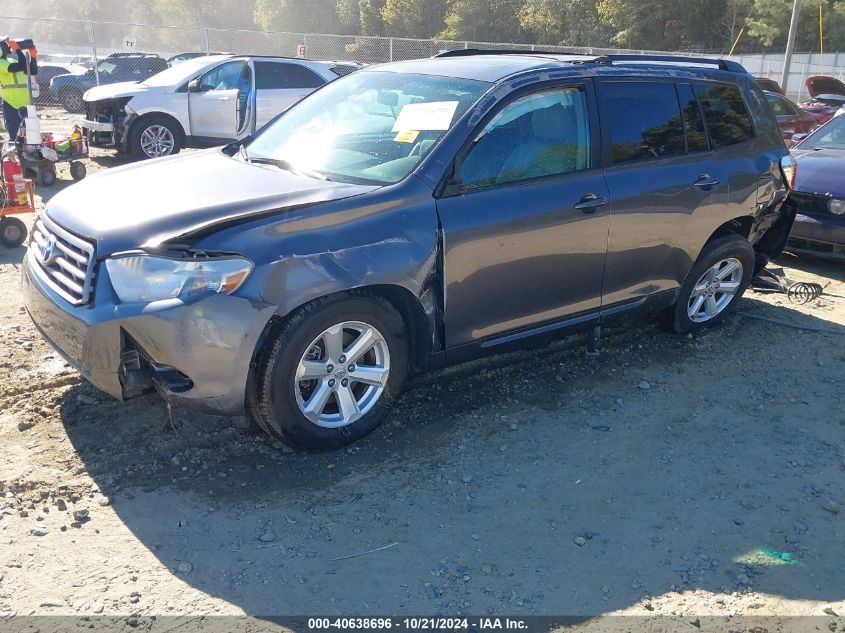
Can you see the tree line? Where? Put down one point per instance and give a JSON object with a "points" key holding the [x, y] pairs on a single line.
{"points": [[677, 25]]}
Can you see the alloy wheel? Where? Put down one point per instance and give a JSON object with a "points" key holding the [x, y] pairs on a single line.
{"points": [[342, 374], [157, 140], [714, 290]]}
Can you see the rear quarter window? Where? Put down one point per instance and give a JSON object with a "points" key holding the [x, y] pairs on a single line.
{"points": [[728, 120]]}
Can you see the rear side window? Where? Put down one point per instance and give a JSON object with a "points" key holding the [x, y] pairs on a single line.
{"points": [[283, 76], [645, 121], [728, 121]]}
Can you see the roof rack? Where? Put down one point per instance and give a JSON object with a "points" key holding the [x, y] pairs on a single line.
{"points": [[621, 58], [723, 64], [466, 52]]}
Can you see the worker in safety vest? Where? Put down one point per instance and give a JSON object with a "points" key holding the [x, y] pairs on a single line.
{"points": [[14, 89]]}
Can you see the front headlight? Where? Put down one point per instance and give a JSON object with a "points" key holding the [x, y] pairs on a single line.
{"points": [[144, 278], [836, 206]]}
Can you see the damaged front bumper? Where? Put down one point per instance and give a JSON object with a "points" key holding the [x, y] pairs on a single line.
{"points": [[196, 355], [107, 123]]}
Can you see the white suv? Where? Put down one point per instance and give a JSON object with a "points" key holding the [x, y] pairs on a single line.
{"points": [[202, 102]]}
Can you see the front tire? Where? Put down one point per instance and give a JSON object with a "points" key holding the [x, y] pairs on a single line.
{"points": [[153, 137], [714, 285], [329, 375]]}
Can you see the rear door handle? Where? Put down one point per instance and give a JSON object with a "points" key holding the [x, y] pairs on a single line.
{"points": [[704, 180], [590, 202]]}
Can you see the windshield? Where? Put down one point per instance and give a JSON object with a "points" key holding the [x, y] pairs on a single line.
{"points": [[183, 71], [829, 136], [367, 127]]}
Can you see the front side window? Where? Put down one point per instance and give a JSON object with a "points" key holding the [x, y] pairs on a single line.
{"points": [[227, 76], [368, 127], [542, 134], [644, 120], [728, 121]]}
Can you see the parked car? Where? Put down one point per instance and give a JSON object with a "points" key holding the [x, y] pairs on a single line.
{"points": [[769, 85], [118, 67], [46, 73], [819, 195], [201, 102], [409, 215], [791, 119], [183, 57], [828, 96]]}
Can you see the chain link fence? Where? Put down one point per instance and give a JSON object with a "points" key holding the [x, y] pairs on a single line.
{"points": [[108, 52]]}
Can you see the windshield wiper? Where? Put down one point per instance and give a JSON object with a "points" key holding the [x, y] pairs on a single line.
{"points": [[288, 166], [243, 154]]}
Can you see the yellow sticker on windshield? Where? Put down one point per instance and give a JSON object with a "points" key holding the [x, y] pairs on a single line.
{"points": [[408, 136]]}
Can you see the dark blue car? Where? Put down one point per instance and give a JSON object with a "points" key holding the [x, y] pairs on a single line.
{"points": [[407, 216], [819, 192], [118, 67]]}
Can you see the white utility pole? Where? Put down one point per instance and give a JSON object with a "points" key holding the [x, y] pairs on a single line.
{"points": [[790, 45]]}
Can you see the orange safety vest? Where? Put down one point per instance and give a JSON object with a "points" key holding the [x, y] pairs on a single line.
{"points": [[14, 86]]}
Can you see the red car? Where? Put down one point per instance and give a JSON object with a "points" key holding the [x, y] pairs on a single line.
{"points": [[791, 118], [828, 95]]}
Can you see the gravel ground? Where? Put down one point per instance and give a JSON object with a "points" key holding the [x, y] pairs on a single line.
{"points": [[677, 476]]}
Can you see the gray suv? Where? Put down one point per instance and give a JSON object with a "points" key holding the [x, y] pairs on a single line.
{"points": [[411, 215]]}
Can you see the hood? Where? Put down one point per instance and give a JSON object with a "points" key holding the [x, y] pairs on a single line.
{"points": [[145, 204], [823, 85], [820, 171], [122, 89]]}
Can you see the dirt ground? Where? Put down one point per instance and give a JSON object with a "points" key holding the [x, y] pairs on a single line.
{"points": [[676, 476]]}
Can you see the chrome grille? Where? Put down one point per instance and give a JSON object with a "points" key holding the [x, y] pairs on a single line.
{"points": [[65, 261]]}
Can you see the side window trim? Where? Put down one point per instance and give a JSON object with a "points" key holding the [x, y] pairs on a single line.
{"points": [[700, 116], [449, 187]]}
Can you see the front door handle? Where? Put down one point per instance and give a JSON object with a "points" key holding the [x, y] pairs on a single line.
{"points": [[704, 180], [590, 202]]}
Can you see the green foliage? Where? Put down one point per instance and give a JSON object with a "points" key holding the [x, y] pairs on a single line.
{"points": [[700, 25]]}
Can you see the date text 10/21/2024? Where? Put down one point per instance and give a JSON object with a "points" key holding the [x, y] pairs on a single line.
{"points": [[419, 624]]}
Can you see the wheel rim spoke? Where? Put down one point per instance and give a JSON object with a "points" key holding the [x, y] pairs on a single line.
{"points": [[363, 344], [333, 340], [376, 376], [311, 370], [317, 402], [729, 287], [696, 306], [726, 270], [348, 404]]}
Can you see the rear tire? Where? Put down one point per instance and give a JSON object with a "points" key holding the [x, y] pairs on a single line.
{"points": [[280, 395], [714, 285], [72, 101], [12, 232]]}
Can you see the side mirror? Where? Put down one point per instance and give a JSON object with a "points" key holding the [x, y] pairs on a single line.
{"points": [[194, 85], [797, 138]]}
